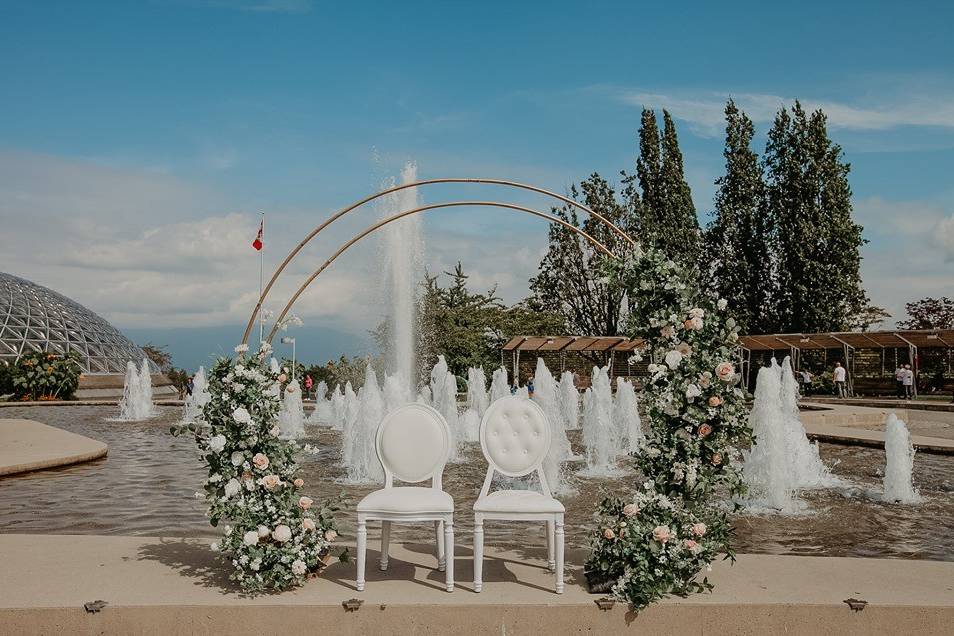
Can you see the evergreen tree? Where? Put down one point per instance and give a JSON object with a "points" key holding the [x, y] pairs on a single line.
{"points": [[667, 216], [816, 241], [739, 236]]}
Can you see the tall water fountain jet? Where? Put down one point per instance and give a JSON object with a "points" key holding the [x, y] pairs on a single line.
{"points": [[546, 395], [569, 401], [899, 463], [476, 404], [600, 435], [349, 412], [136, 403], [359, 438], [196, 401], [323, 414], [626, 416], [499, 386], [291, 417], [402, 272], [396, 392], [806, 464], [477, 398], [444, 396], [767, 469], [337, 408]]}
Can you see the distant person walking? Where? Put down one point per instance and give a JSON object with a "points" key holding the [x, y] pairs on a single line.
{"points": [[839, 376], [308, 384], [806, 382], [899, 381], [530, 387], [908, 382]]}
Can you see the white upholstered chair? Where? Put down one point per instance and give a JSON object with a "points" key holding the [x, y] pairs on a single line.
{"points": [[412, 443], [515, 438]]}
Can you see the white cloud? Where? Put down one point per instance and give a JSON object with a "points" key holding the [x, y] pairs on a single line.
{"points": [[911, 253], [704, 110]]}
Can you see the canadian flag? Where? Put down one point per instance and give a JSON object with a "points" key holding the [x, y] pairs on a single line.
{"points": [[258, 243]]}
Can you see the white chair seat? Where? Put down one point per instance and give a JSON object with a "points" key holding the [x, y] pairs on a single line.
{"points": [[408, 500], [517, 501]]}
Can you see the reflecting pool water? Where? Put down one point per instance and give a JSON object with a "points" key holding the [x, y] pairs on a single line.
{"points": [[146, 486]]}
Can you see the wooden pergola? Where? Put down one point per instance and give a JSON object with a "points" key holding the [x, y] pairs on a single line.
{"points": [[794, 343], [607, 345], [847, 342]]}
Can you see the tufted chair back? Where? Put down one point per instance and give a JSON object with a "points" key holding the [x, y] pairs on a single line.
{"points": [[515, 438], [412, 443]]}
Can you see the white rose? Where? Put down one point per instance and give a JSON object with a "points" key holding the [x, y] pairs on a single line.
{"points": [[263, 531], [217, 443], [722, 304], [250, 537], [673, 358], [237, 458], [281, 533], [242, 348], [232, 487], [215, 478], [298, 567], [693, 391], [241, 415], [255, 565]]}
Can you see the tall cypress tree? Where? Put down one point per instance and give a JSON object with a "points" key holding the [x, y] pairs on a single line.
{"points": [[666, 213], [739, 236], [817, 243]]}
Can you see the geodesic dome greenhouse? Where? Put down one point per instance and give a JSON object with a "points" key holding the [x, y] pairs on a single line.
{"points": [[36, 318]]}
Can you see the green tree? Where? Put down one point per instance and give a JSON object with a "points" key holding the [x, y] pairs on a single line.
{"points": [[740, 234], [816, 241], [667, 215], [870, 316], [568, 282], [929, 313], [159, 355]]}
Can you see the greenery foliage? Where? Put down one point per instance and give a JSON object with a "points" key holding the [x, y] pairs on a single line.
{"points": [[659, 541], [929, 313], [274, 535], [46, 376]]}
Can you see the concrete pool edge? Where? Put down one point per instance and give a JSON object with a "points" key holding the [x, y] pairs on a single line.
{"points": [[174, 586], [839, 424], [27, 445]]}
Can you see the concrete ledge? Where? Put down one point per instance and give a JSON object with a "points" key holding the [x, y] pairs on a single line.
{"points": [[89, 402], [26, 445], [175, 586], [841, 424]]}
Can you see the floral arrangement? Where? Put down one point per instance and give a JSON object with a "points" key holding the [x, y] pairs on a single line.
{"points": [[274, 534], [46, 376], [659, 541]]}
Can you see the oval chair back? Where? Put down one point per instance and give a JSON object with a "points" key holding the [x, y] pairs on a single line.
{"points": [[412, 443], [515, 439]]}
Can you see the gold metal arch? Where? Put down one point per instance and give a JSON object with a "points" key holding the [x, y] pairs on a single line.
{"points": [[340, 213], [424, 208]]}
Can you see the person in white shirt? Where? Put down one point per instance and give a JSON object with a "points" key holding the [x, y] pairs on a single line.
{"points": [[908, 381], [839, 375], [899, 381]]}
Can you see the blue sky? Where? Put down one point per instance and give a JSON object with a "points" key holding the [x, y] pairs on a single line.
{"points": [[139, 139]]}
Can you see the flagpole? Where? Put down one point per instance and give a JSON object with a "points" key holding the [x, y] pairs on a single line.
{"points": [[261, 285]]}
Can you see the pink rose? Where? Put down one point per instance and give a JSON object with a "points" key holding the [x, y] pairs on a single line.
{"points": [[661, 533], [305, 502], [696, 323], [684, 348], [308, 524], [687, 324], [271, 481], [689, 544], [704, 430], [630, 510], [609, 534], [716, 459], [725, 371], [290, 388], [260, 461], [282, 533], [330, 535], [715, 401], [299, 482], [704, 381], [699, 529], [282, 377], [668, 331]]}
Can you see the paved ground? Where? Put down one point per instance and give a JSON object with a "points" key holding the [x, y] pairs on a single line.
{"points": [[174, 586], [27, 445], [932, 432]]}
